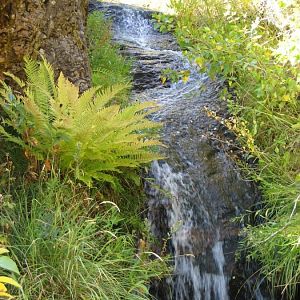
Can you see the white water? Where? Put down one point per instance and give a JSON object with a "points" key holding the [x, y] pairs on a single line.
{"points": [[133, 27], [176, 187], [190, 279]]}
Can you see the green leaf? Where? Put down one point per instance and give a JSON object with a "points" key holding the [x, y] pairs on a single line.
{"points": [[8, 264]]}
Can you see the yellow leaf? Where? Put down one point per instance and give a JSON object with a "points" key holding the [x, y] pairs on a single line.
{"points": [[3, 294], [199, 61], [2, 287], [3, 250], [185, 79], [5, 279], [296, 126], [286, 98]]}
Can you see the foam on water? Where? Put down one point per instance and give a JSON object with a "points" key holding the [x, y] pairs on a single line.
{"points": [[190, 281], [132, 26]]}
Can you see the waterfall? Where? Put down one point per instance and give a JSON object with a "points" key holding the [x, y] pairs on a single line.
{"points": [[190, 281], [196, 190]]}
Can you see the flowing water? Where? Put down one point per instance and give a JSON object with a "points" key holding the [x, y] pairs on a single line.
{"points": [[196, 191]]}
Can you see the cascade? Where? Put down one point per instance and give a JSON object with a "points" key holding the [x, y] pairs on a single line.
{"points": [[196, 190]]}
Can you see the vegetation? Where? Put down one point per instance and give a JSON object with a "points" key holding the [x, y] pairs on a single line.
{"points": [[58, 128], [7, 267], [72, 235], [163, 23], [108, 66], [255, 48], [71, 247]]}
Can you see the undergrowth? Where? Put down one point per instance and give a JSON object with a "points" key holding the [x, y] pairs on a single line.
{"points": [[82, 134], [109, 67], [70, 246], [254, 46]]}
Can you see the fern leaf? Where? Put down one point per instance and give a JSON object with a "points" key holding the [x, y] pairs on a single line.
{"points": [[48, 72], [67, 94], [31, 70], [38, 83], [85, 100], [20, 82], [33, 109], [97, 140], [106, 95], [62, 106], [9, 137]]}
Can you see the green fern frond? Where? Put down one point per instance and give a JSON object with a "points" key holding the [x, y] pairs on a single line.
{"points": [[20, 82], [62, 106], [9, 137], [139, 107], [31, 70], [85, 101], [39, 84], [87, 134], [32, 108], [48, 72], [107, 95]]}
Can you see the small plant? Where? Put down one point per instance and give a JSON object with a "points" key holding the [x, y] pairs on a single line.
{"points": [[58, 128], [174, 75], [164, 23]]}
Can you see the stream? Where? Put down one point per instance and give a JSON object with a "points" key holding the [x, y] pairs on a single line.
{"points": [[197, 190]]}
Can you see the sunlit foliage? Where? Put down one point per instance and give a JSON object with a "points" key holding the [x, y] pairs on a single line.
{"points": [[255, 47]]}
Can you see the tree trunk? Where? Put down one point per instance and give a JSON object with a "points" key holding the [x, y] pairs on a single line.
{"points": [[51, 28]]}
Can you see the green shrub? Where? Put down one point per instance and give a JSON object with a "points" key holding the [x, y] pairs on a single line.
{"points": [[69, 247], [236, 40], [61, 129]]}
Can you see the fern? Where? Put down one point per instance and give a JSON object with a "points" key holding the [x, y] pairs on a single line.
{"points": [[82, 133]]}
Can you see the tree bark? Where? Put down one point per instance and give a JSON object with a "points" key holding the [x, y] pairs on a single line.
{"points": [[54, 29]]}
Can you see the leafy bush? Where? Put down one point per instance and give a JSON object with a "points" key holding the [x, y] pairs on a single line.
{"points": [[59, 128], [240, 41], [174, 75], [70, 247]]}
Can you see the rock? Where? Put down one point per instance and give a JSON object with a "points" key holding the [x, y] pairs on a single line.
{"points": [[55, 27]]}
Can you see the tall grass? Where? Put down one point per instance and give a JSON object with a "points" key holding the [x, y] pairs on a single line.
{"points": [[243, 41], [69, 247]]}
